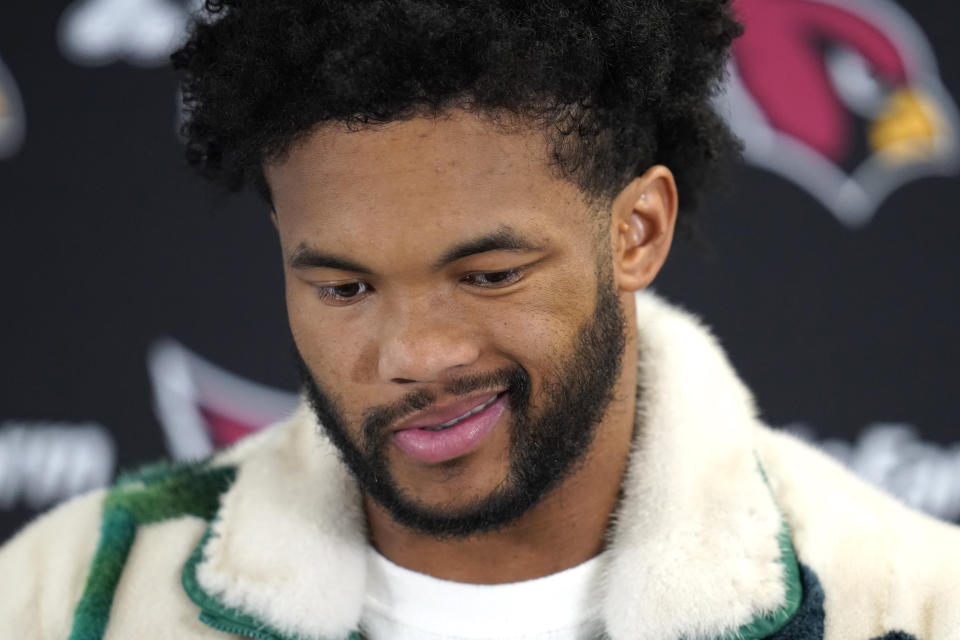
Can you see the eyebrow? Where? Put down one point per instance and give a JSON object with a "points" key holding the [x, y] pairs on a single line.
{"points": [[304, 257], [503, 238]]}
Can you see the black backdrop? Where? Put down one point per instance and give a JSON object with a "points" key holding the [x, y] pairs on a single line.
{"points": [[143, 312]]}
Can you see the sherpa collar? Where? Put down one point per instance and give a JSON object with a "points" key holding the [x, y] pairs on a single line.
{"points": [[697, 549]]}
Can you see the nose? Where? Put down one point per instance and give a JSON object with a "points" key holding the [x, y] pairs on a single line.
{"points": [[424, 347]]}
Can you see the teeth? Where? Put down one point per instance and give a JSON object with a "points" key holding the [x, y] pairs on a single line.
{"points": [[475, 410]]}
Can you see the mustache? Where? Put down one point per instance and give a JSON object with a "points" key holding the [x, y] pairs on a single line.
{"points": [[376, 420]]}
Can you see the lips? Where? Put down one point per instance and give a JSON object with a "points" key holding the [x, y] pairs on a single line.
{"points": [[472, 412], [437, 416], [449, 432]]}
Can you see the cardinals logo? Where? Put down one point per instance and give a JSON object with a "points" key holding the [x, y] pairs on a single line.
{"points": [[203, 407], [12, 119], [843, 98]]}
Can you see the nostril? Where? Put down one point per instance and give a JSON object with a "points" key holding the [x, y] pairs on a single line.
{"points": [[402, 380]]}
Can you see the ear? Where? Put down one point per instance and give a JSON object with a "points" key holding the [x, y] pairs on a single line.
{"points": [[643, 218]]}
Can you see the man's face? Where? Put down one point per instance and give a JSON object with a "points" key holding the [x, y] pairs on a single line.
{"points": [[454, 312]]}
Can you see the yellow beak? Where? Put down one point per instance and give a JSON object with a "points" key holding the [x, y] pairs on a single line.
{"points": [[908, 128]]}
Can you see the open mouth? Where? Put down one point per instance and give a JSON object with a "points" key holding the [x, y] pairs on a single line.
{"points": [[477, 409], [454, 438]]}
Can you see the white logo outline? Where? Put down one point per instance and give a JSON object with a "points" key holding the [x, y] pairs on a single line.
{"points": [[852, 198]]}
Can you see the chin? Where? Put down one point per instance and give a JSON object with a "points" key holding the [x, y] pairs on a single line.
{"points": [[455, 485]]}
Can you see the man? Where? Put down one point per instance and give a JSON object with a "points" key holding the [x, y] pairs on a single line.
{"points": [[500, 437]]}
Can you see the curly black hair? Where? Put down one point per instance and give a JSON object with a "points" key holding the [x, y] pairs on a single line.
{"points": [[617, 85]]}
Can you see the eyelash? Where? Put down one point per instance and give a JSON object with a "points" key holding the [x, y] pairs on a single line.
{"points": [[512, 275], [330, 295]]}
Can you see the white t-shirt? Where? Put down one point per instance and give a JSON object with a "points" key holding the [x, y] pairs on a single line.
{"points": [[402, 604]]}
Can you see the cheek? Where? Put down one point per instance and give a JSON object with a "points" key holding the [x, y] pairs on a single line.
{"points": [[302, 322], [339, 352], [525, 334], [317, 339], [540, 332]]}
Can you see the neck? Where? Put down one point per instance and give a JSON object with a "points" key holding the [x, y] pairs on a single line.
{"points": [[566, 528]]}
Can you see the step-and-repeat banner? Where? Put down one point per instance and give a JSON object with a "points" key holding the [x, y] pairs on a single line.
{"points": [[142, 313]]}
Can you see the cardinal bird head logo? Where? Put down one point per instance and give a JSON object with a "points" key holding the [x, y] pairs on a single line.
{"points": [[843, 98], [12, 120], [203, 407]]}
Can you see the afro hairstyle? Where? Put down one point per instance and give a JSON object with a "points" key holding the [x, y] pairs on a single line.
{"points": [[616, 85]]}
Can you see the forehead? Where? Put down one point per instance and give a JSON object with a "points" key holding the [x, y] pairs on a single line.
{"points": [[452, 169]]}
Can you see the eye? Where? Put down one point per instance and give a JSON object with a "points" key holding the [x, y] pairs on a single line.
{"points": [[343, 294], [855, 82], [493, 279]]}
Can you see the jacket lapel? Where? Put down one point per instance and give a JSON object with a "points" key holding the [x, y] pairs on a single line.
{"points": [[698, 548]]}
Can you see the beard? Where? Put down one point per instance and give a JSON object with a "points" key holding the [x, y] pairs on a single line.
{"points": [[545, 447]]}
